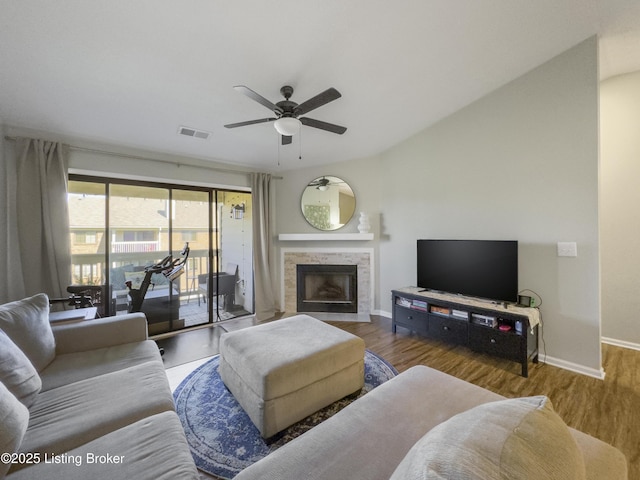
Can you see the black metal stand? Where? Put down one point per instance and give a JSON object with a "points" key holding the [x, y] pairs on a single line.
{"points": [[171, 269]]}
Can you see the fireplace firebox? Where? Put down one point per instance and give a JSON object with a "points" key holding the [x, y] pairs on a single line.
{"points": [[327, 288]]}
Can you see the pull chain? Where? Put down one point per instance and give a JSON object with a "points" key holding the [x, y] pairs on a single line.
{"points": [[278, 142]]}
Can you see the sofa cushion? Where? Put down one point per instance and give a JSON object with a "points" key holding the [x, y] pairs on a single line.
{"points": [[73, 367], [71, 415], [17, 373], [517, 439], [153, 448], [14, 418], [26, 322], [100, 333]]}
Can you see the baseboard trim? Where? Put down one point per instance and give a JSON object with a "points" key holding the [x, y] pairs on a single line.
{"points": [[621, 343], [573, 367], [382, 313]]}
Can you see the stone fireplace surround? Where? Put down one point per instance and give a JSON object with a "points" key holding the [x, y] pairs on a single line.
{"points": [[362, 257]]}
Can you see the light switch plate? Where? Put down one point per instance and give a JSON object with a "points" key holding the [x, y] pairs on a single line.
{"points": [[567, 249]]}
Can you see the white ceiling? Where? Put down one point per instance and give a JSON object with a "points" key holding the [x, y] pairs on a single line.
{"points": [[129, 73]]}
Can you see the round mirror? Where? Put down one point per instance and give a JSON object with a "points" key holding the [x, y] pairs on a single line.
{"points": [[328, 203]]}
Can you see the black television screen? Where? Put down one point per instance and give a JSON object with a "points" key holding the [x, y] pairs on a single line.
{"points": [[477, 268]]}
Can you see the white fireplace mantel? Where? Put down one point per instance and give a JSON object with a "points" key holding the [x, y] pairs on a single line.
{"points": [[292, 237]]}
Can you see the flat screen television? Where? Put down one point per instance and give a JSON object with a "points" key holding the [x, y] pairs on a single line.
{"points": [[477, 268]]}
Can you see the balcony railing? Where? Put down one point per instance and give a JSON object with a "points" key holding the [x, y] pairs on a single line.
{"points": [[89, 268], [135, 247]]}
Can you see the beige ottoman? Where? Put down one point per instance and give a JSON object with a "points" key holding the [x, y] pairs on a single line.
{"points": [[283, 371]]}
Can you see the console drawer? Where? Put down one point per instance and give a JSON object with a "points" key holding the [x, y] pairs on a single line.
{"points": [[494, 342], [448, 329], [411, 319]]}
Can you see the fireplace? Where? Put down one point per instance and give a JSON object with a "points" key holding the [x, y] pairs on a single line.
{"points": [[327, 288], [361, 258]]}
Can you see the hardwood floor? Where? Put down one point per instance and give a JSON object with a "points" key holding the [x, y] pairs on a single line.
{"points": [[607, 409], [198, 343]]}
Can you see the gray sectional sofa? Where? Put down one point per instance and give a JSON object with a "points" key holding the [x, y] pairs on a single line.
{"points": [[85, 400]]}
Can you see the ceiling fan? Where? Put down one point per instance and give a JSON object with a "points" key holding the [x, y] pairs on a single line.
{"points": [[323, 183], [286, 112]]}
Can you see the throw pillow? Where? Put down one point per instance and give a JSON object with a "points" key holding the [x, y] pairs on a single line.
{"points": [[518, 439], [14, 418], [26, 323], [17, 373]]}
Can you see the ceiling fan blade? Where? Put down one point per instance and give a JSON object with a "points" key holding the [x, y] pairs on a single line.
{"points": [[286, 139], [258, 98], [329, 127], [250, 122], [323, 98]]}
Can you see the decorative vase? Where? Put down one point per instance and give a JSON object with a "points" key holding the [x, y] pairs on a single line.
{"points": [[364, 226]]}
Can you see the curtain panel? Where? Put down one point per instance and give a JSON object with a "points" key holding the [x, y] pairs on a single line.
{"points": [[43, 217], [263, 250], [11, 282]]}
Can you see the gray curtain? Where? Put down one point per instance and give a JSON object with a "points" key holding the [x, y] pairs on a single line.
{"points": [[263, 254], [11, 283], [43, 218]]}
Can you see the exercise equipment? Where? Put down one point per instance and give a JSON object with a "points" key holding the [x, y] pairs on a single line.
{"points": [[84, 296], [169, 267]]}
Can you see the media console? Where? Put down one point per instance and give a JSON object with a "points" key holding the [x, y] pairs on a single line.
{"points": [[506, 331]]}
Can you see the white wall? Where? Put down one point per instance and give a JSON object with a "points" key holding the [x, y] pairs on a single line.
{"points": [[184, 171], [520, 163], [364, 177], [620, 214], [130, 163]]}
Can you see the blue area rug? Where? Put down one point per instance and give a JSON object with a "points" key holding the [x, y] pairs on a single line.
{"points": [[222, 438]]}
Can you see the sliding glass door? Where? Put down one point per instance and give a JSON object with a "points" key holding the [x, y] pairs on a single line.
{"points": [[139, 224], [230, 284], [191, 226], [87, 218], [119, 229]]}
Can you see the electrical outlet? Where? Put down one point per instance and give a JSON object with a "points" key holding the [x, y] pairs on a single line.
{"points": [[567, 249]]}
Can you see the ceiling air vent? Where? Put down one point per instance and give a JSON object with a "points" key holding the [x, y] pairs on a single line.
{"points": [[192, 132]]}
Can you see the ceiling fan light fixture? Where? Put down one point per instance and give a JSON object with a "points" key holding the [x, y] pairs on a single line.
{"points": [[323, 188], [287, 126]]}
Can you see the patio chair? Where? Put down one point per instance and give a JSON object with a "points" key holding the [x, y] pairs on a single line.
{"points": [[222, 284]]}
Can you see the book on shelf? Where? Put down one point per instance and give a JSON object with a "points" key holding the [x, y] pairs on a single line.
{"points": [[440, 310], [419, 305], [459, 314]]}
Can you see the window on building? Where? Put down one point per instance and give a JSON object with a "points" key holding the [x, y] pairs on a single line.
{"points": [[86, 238]]}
